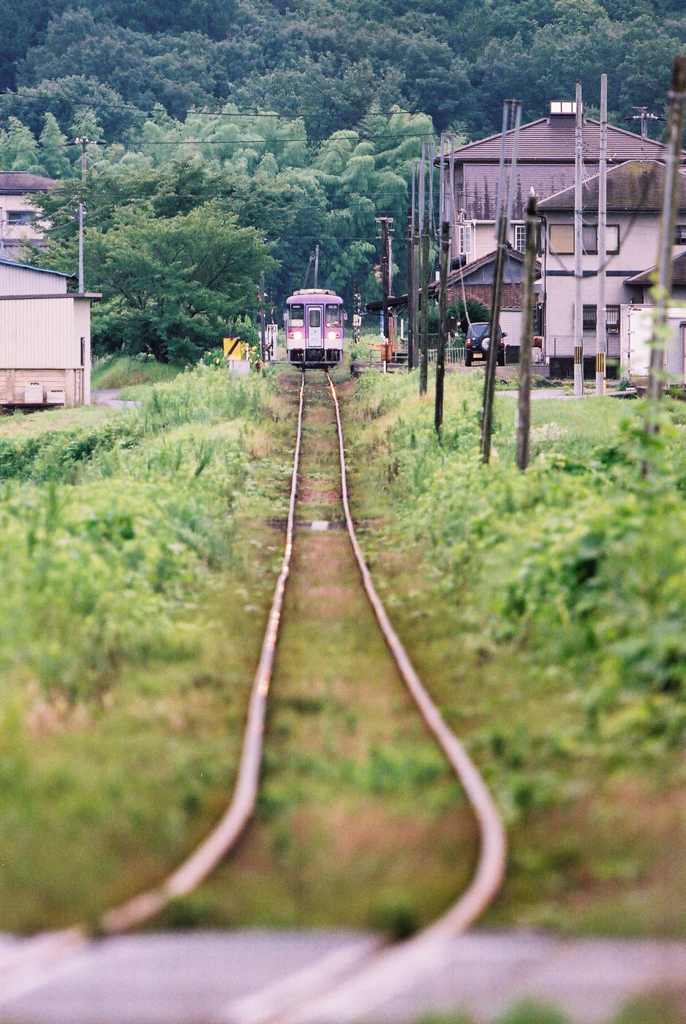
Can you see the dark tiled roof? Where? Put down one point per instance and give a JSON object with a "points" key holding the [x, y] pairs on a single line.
{"points": [[16, 182], [636, 185], [551, 139], [471, 268], [678, 274]]}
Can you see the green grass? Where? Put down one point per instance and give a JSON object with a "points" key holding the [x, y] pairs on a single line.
{"points": [[125, 372], [546, 611], [131, 626]]}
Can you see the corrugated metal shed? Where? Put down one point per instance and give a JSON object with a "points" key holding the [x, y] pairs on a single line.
{"points": [[38, 334], [22, 279]]}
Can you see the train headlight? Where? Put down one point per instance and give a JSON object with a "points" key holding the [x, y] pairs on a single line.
{"points": [[298, 335], [332, 335]]}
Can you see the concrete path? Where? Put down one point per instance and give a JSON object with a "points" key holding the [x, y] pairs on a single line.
{"points": [[209, 977], [109, 396]]}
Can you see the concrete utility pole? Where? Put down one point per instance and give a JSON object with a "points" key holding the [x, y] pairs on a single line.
{"points": [[316, 265], [424, 326], [524, 406], [578, 250], [601, 317], [410, 281], [503, 207], [84, 167], [442, 316], [415, 279], [675, 132], [385, 236], [263, 328]]}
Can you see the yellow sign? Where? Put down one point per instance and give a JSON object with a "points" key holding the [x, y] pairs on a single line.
{"points": [[233, 348]]}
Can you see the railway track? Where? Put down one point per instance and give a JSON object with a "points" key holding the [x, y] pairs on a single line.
{"points": [[338, 989]]}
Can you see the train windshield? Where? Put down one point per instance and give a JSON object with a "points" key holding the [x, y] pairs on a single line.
{"points": [[296, 314], [333, 314]]}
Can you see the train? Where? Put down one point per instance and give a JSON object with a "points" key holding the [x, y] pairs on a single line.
{"points": [[315, 328]]}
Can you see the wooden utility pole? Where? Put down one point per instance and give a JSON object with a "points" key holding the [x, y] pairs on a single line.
{"points": [[524, 406], [675, 131], [601, 315], [578, 250], [442, 316]]}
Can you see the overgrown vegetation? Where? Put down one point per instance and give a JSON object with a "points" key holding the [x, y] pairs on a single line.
{"points": [[122, 675], [554, 633]]}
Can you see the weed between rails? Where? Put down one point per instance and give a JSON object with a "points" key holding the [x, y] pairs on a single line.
{"points": [[547, 610]]}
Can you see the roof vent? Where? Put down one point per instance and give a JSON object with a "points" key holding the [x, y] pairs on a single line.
{"points": [[557, 108]]}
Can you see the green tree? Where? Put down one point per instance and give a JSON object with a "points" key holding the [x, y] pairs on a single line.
{"points": [[170, 286], [53, 149], [19, 149]]}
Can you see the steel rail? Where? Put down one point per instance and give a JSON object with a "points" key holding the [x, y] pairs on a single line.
{"points": [[38, 957], [400, 967], [206, 856]]}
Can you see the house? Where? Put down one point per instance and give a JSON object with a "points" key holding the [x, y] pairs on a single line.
{"points": [[545, 163], [475, 281], [45, 342], [634, 202], [18, 225]]}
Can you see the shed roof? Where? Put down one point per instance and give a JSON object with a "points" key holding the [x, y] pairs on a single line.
{"points": [[551, 140], [645, 278], [39, 270], [18, 182], [635, 185]]}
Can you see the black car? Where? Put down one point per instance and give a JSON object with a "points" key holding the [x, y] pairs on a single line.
{"points": [[477, 344]]}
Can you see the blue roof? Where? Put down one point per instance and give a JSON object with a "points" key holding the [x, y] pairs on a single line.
{"points": [[39, 270]]}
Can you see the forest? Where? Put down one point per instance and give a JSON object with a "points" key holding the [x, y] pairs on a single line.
{"points": [[296, 120]]}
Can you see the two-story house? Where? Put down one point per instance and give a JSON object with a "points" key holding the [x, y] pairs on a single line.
{"points": [[546, 163], [634, 201], [18, 223]]}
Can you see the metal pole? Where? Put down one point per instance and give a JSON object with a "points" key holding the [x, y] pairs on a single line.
{"points": [[578, 251], [601, 317], [441, 184], [442, 306], [316, 265], [524, 406], [675, 131]]}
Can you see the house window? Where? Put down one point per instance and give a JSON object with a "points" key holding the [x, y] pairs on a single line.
{"points": [[562, 239], [612, 319], [464, 238], [590, 318], [20, 216], [589, 239], [680, 234], [520, 237]]}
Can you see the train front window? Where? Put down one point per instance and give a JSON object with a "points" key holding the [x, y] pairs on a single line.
{"points": [[315, 316], [333, 315], [296, 315]]}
